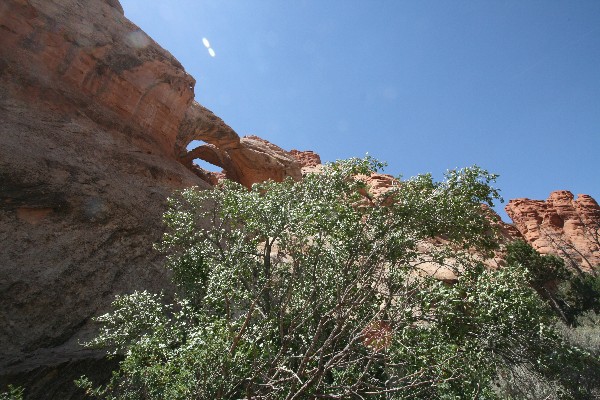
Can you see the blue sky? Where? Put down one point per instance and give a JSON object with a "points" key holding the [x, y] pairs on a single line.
{"points": [[512, 86]]}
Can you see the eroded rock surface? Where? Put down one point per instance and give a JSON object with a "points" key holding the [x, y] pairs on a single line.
{"points": [[95, 118], [306, 158], [90, 110], [246, 160], [561, 225]]}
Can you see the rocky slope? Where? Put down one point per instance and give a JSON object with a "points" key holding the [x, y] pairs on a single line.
{"points": [[95, 121]]}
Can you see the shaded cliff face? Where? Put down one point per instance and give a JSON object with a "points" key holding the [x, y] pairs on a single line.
{"points": [[561, 225], [90, 109], [95, 118]]}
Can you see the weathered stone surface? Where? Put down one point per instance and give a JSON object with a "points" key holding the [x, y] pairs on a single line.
{"points": [[86, 58], [561, 225], [94, 121], [246, 160], [378, 184], [90, 109], [307, 158], [259, 160]]}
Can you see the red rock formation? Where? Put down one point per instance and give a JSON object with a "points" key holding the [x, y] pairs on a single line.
{"points": [[306, 158], [246, 160], [561, 225], [378, 184], [95, 118], [86, 58]]}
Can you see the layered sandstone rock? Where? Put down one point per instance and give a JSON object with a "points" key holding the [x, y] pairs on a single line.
{"points": [[246, 160], [306, 158], [95, 118], [561, 225], [90, 110]]}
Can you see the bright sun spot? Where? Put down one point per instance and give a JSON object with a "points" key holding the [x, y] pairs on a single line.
{"points": [[211, 52]]}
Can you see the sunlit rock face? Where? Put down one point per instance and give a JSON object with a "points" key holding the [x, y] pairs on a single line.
{"points": [[246, 160], [306, 158], [95, 118], [561, 225]]}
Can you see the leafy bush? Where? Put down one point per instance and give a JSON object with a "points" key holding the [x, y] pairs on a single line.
{"points": [[546, 273], [542, 268], [586, 333], [302, 290], [570, 292], [581, 368], [580, 294], [13, 393], [575, 297]]}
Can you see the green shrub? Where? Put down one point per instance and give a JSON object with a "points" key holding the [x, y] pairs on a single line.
{"points": [[13, 393], [586, 332], [582, 370], [299, 290], [569, 292], [542, 268], [580, 294]]}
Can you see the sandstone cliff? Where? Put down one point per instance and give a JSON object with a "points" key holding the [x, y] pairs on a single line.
{"points": [[561, 225], [95, 118]]}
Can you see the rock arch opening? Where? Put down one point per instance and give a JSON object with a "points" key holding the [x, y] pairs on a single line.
{"points": [[245, 160], [205, 160], [200, 162]]}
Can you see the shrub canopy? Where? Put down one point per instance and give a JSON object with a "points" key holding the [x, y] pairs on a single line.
{"points": [[300, 290]]}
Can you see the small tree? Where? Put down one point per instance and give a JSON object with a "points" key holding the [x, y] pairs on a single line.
{"points": [[569, 292], [546, 272], [301, 290]]}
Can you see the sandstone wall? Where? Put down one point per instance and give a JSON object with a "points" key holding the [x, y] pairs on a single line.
{"points": [[561, 225], [95, 118]]}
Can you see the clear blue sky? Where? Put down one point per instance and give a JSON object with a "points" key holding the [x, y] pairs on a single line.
{"points": [[513, 86]]}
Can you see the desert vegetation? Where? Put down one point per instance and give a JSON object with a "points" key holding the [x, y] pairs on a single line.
{"points": [[302, 290], [12, 393]]}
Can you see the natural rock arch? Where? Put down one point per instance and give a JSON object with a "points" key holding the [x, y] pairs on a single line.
{"points": [[246, 160]]}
